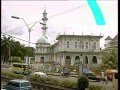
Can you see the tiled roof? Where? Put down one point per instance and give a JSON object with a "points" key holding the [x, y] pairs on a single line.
{"points": [[108, 38]]}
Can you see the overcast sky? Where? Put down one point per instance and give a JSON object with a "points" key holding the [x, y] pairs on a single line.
{"points": [[63, 16]]}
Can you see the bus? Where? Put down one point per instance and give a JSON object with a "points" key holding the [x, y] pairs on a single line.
{"points": [[115, 80], [21, 68]]}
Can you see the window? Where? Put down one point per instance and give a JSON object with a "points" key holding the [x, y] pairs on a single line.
{"points": [[75, 44], [42, 59], [86, 60], [25, 84], [67, 44], [94, 45], [86, 45], [81, 44], [16, 84]]}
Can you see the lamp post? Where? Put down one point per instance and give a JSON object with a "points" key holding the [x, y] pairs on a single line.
{"points": [[29, 30]]}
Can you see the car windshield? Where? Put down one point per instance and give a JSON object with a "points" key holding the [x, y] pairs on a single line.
{"points": [[90, 74], [14, 84], [25, 84]]}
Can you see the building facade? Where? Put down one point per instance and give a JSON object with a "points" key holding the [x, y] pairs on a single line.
{"points": [[111, 43], [69, 50]]}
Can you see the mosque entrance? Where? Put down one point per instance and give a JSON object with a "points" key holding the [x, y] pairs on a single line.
{"points": [[77, 62], [94, 59]]}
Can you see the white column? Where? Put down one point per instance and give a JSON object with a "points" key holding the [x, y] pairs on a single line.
{"points": [[72, 60], [63, 59]]}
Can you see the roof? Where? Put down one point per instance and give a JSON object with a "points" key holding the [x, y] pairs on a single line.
{"points": [[108, 38], [19, 80], [111, 71], [115, 38], [78, 36]]}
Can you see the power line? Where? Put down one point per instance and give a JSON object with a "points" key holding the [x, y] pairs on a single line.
{"points": [[73, 9], [17, 38]]}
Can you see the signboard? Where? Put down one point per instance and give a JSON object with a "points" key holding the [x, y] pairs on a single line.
{"points": [[86, 70]]}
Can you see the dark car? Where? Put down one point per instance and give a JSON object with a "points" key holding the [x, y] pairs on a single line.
{"points": [[91, 76], [18, 85]]}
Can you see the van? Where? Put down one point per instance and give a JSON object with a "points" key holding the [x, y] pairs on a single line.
{"points": [[18, 85]]}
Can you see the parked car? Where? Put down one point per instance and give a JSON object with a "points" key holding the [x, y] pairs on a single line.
{"points": [[91, 76], [18, 84], [40, 74]]}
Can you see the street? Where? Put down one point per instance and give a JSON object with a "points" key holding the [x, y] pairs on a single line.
{"points": [[58, 77]]}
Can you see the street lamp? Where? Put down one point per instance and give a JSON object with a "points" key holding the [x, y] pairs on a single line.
{"points": [[29, 30]]}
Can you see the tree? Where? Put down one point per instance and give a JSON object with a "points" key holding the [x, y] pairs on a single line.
{"points": [[7, 46], [110, 59]]}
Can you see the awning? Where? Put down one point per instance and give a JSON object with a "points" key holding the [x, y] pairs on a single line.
{"points": [[111, 71]]}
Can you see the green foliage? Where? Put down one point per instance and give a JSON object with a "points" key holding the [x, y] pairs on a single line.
{"points": [[68, 83], [52, 81], [16, 59], [93, 87], [12, 75], [110, 59], [7, 47], [83, 82], [10, 47]]}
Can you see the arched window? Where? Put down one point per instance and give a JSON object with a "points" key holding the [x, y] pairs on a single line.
{"points": [[94, 45], [86, 45], [67, 44], [81, 44], [94, 59], [86, 60], [77, 60], [75, 44]]}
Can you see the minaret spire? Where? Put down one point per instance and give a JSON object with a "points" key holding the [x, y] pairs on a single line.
{"points": [[44, 27]]}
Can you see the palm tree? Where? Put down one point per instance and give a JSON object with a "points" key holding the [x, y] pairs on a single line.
{"points": [[6, 46]]}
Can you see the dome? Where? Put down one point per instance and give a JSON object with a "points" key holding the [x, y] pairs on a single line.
{"points": [[42, 40]]}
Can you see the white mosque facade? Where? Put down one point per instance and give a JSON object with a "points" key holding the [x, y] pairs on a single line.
{"points": [[69, 49]]}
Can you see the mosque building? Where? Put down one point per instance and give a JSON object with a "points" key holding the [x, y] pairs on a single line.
{"points": [[68, 50]]}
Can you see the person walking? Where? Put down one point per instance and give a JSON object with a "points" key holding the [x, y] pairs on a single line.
{"points": [[105, 80]]}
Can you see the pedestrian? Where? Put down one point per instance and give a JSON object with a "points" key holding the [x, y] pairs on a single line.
{"points": [[105, 80], [110, 77]]}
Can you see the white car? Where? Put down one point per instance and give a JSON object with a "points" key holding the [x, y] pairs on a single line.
{"points": [[40, 74]]}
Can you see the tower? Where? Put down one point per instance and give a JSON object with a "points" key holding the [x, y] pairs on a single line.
{"points": [[44, 27]]}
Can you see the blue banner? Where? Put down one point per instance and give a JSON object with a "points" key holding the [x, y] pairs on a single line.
{"points": [[86, 70]]}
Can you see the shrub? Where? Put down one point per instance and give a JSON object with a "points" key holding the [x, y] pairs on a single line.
{"points": [[12, 75], [93, 87], [68, 83], [83, 82], [52, 81]]}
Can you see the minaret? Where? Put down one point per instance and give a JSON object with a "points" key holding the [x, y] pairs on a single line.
{"points": [[44, 28]]}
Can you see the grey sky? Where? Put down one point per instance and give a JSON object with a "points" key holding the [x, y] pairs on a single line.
{"points": [[74, 16]]}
